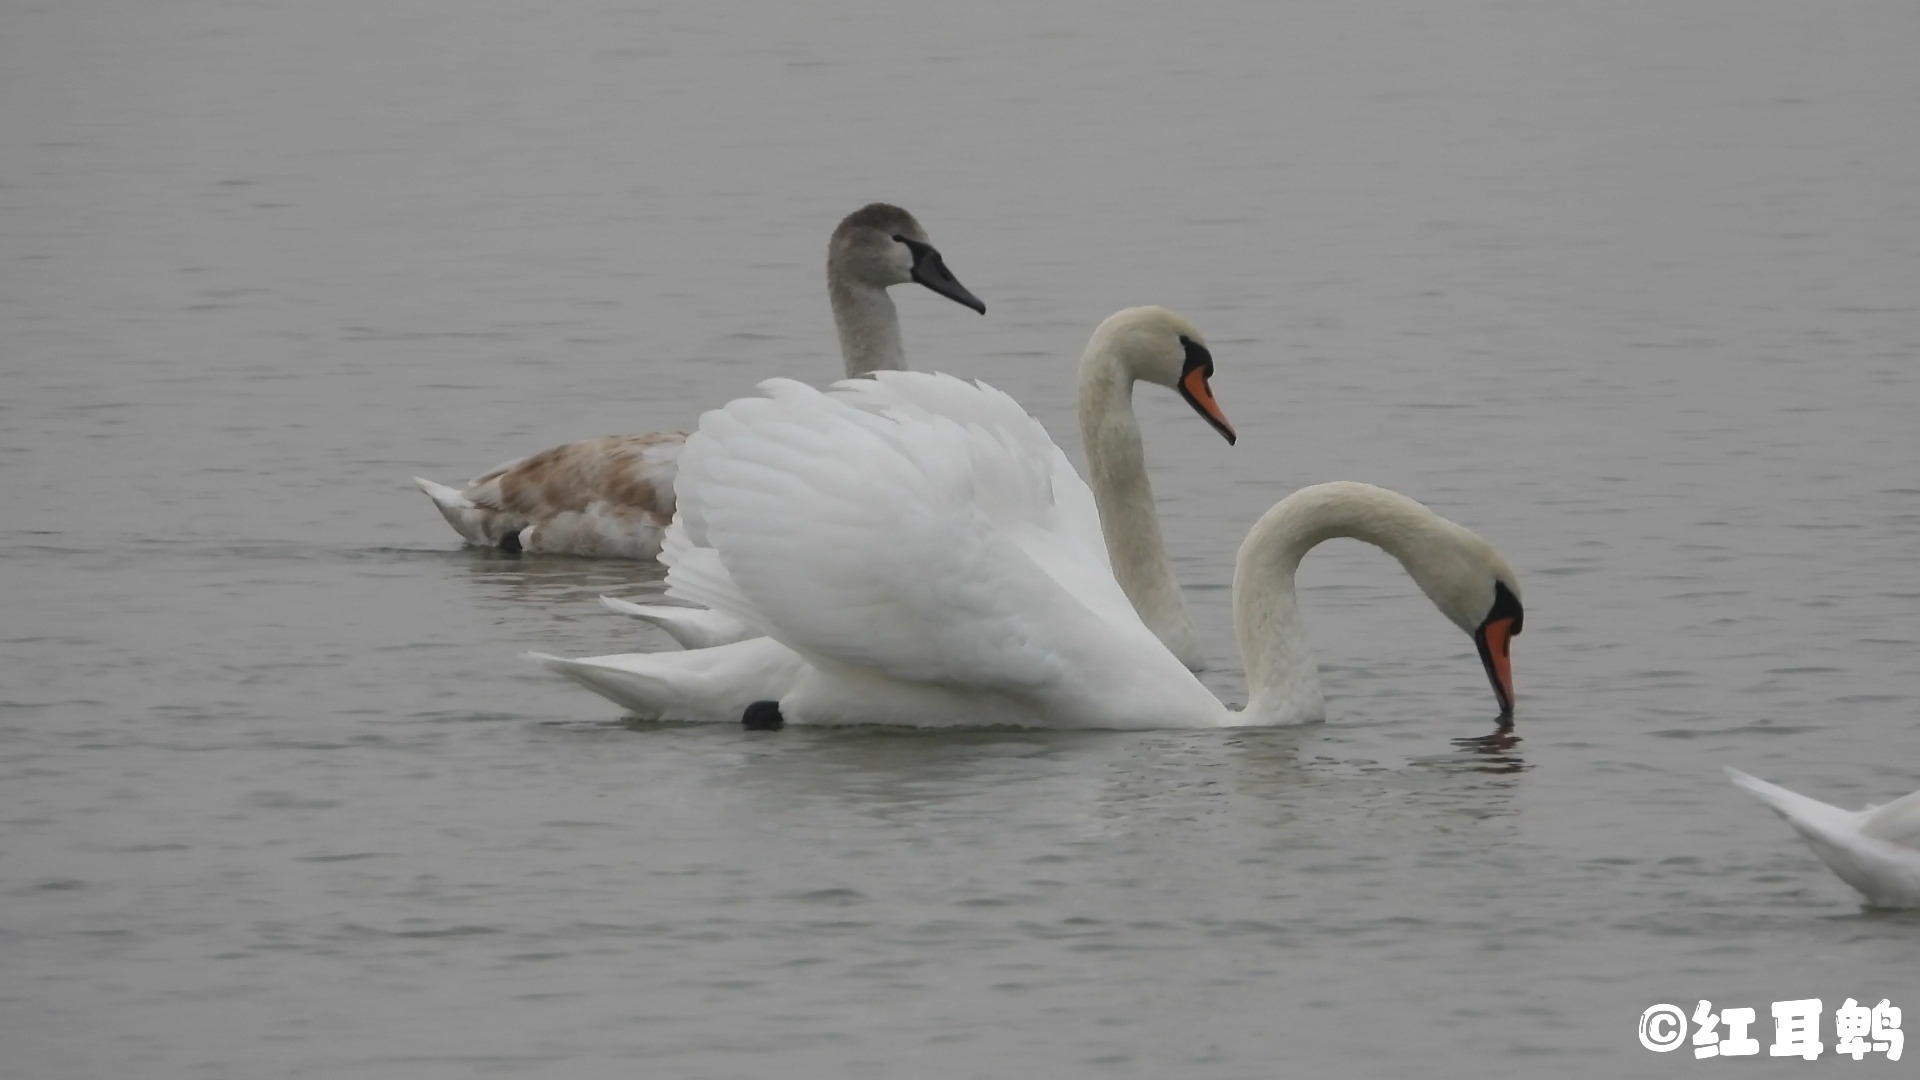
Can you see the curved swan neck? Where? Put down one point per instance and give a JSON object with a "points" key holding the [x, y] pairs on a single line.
{"points": [[868, 325], [1116, 463], [1283, 683]]}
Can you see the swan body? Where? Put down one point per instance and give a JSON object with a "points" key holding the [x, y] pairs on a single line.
{"points": [[610, 497], [1875, 850], [929, 558], [614, 497], [1123, 497]]}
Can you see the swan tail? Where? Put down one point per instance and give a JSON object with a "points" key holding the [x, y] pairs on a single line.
{"points": [[475, 524], [444, 497], [699, 685], [693, 628], [1886, 874], [646, 695]]}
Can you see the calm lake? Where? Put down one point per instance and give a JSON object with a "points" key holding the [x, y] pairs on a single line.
{"points": [[1628, 289]]}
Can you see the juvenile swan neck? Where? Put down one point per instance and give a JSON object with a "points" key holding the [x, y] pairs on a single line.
{"points": [[1283, 683], [1116, 460], [868, 325]]}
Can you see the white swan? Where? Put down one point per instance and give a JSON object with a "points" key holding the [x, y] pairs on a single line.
{"points": [[1116, 458], [613, 497], [915, 562], [1876, 850]]}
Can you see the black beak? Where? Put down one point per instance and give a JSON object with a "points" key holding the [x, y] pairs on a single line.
{"points": [[930, 269]]}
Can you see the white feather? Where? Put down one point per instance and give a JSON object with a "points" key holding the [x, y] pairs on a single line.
{"points": [[693, 628], [712, 685], [897, 540], [1875, 850]]}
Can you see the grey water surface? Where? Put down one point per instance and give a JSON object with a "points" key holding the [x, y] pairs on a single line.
{"points": [[1630, 289]]}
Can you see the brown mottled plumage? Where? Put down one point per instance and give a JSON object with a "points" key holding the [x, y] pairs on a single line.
{"points": [[611, 497], [615, 469]]}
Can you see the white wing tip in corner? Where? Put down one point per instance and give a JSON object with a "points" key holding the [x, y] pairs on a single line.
{"points": [[622, 607], [1760, 789], [1799, 810], [1754, 784]]}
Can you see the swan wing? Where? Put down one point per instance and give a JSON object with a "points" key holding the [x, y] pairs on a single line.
{"points": [[693, 628], [1886, 873], [1898, 822], [627, 470], [886, 393], [904, 533], [977, 404]]}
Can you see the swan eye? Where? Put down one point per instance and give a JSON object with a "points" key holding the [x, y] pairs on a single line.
{"points": [[1198, 356], [1506, 606]]}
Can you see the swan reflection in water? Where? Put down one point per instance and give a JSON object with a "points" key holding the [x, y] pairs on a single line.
{"points": [[1498, 751]]}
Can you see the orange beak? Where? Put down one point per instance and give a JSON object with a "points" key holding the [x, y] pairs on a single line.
{"points": [[1193, 387], [1495, 640]]}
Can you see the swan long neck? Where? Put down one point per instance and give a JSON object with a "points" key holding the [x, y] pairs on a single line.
{"points": [[1116, 462], [868, 324], [1283, 683]]}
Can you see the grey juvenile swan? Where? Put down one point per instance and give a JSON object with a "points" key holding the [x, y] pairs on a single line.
{"points": [[613, 497]]}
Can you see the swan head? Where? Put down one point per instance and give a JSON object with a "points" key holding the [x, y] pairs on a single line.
{"points": [[1475, 588], [1159, 346], [881, 245]]}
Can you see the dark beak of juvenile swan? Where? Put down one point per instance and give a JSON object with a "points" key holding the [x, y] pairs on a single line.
{"points": [[1495, 640], [1199, 392], [930, 269]]}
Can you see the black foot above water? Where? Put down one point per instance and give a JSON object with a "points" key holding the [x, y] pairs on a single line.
{"points": [[510, 543], [763, 716]]}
